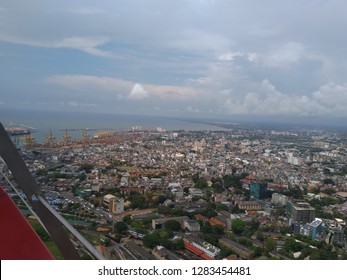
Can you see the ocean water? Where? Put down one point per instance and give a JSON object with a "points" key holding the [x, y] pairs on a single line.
{"points": [[58, 123]]}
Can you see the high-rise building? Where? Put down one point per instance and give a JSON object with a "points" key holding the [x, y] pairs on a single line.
{"points": [[300, 212], [316, 228], [336, 235], [279, 199], [117, 205], [113, 204], [258, 190]]}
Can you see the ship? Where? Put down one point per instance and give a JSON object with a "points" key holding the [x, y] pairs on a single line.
{"points": [[14, 131], [19, 129]]}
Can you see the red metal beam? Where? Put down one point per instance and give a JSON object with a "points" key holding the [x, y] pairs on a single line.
{"points": [[18, 240]]}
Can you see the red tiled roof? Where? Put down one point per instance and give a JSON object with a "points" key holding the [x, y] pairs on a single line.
{"points": [[200, 217], [231, 257], [101, 229], [206, 257], [251, 177], [245, 181], [214, 221], [193, 249]]}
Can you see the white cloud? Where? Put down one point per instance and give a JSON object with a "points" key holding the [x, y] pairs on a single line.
{"points": [[268, 101], [168, 92], [88, 45], [195, 49], [138, 92], [91, 83], [122, 89], [282, 57], [190, 109], [252, 57], [334, 97], [202, 81], [229, 56], [285, 56]]}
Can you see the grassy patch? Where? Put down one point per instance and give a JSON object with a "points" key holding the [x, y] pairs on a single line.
{"points": [[54, 250]]}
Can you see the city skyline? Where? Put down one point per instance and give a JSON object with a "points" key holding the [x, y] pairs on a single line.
{"points": [[192, 58]]}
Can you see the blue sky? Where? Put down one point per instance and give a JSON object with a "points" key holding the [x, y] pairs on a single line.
{"points": [[211, 58]]}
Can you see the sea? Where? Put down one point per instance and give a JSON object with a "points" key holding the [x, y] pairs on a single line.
{"points": [[58, 123]]}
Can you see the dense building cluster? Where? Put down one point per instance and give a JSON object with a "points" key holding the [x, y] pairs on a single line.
{"points": [[235, 193]]}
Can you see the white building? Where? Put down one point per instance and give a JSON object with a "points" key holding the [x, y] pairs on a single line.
{"points": [[192, 225], [195, 192], [209, 249], [294, 160], [113, 204], [279, 199]]}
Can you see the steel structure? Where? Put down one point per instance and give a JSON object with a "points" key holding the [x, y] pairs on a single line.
{"points": [[55, 224]]}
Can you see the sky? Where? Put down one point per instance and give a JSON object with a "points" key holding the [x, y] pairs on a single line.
{"points": [[184, 58]]}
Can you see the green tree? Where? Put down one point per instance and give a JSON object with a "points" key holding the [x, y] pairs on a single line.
{"points": [[255, 225], [159, 237], [173, 225], [86, 167], [163, 209], [295, 192], [217, 187], [127, 219], [41, 172], [329, 191], [175, 212], [150, 241], [291, 245], [221, 207], [237, 210], [269, 244], [206, 228], [225, 252], [82, 177], [233, 181], [120, 227], [165, 233], [107, 242], [195, 177], [323, 255], [178, 245], [285, 230], [211, 238], [238, 226], [160, 199], [218, 230], [138, 201], [201, 183], [257, 252]]}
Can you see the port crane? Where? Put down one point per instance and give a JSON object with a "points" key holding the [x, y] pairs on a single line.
{"points": [[18, 239], [50, 137], [85, 134], [66, 136]]}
